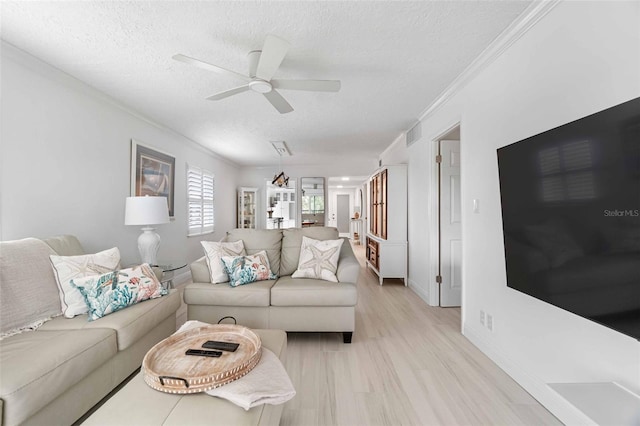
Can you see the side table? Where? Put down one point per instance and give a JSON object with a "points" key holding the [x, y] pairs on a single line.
{"points": [[167, 272]]}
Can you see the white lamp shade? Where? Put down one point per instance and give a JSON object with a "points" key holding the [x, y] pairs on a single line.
{"points": [[146, 211]]}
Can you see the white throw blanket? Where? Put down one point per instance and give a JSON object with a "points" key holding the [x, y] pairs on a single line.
{"points": [[267, 383]]}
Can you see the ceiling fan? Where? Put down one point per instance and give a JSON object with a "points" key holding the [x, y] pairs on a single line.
{"points": [[263, 64]]}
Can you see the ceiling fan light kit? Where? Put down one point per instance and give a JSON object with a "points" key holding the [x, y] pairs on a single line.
{"points": [[263, 65], [260, 86]]}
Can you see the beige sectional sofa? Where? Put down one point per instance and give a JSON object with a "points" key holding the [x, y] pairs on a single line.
{"points": [[60, 371], [290, 304]]}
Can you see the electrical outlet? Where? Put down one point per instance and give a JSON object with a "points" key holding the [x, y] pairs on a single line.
{"points": [[490, 322], [482, 317]]}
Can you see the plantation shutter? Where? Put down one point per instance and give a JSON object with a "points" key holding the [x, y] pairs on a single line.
{"points": [[201, 192]]}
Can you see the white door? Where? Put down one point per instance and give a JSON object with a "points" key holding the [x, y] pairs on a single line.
{"points": [[342, 213], [450, 225]]}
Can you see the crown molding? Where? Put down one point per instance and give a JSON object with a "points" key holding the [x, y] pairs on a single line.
{"points": [[536, 11], [43, 68]]}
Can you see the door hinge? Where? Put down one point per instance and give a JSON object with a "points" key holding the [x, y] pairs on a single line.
{"points": [[438, 158], [439, 279]]}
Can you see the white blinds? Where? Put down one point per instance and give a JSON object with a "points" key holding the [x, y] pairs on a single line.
{"points": [[201, 192]]}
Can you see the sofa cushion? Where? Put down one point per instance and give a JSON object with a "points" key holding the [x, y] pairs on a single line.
{"points": [[290, 291], [68, 268], [117, 290], [213, 252], [37, 366], [130, 324], [28, 290], [65, 245], [255, 294], [200, 271], [255, 240], [292, 242]]}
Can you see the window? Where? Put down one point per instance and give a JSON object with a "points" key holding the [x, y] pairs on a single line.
{"points": [[201, 191], [312, 204]]}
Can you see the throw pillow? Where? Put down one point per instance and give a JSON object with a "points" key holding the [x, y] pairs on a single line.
{"points": [[248, 269], [67, 268], [214, 251], [113, 291], [318, 259]]}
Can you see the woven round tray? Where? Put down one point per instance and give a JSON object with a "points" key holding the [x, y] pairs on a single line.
{"points": [[166, 367]]}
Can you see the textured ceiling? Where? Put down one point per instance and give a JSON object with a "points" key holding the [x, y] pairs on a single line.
{"points": [[393, 58]]}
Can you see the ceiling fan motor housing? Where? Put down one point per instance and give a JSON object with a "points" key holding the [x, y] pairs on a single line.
{"points": [[260, 86]]}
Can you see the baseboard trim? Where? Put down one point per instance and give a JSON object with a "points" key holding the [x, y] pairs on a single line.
{"points": [[422, 294], [552, 401]]}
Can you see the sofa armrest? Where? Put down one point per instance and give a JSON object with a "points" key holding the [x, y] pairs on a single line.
{"points": [[200, 271], [348, 266]]}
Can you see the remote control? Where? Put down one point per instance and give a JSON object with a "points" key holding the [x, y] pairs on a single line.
{"points": [[221, 346], [200, 352]]}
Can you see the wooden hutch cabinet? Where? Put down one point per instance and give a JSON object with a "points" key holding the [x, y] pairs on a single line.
{"points": [[387, 231]]}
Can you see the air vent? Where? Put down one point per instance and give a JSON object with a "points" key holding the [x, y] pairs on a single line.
{"points": [[414, 134], [281, 148]]}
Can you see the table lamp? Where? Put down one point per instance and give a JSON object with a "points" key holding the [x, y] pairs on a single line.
{"points": [[147, 211]]}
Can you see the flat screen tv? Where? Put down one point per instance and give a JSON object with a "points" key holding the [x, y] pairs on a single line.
{"points": [[571, 216]]}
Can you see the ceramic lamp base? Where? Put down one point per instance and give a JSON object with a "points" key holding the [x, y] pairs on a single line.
{"points": [[148, 245]]}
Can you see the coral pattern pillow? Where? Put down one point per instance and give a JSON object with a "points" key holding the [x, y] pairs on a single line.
{"points": [[318, 259], [111, 292], [248, 269], [67, 268], [214, 251]]}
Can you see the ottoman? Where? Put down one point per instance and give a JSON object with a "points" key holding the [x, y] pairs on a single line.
{"points": [[137, 404]]}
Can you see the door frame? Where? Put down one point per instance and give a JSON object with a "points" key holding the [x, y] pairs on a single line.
{"points": [[434, 226]]}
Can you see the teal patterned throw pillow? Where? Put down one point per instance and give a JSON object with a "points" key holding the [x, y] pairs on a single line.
{"points": [[247, 269], [113, 291]]}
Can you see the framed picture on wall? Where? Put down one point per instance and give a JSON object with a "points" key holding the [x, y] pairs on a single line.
{"points": [[152, 173]]}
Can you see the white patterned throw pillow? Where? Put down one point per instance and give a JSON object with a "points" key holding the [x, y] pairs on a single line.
{"points": [[318, 259], [214, 251], [113, 291], [67, 268]]}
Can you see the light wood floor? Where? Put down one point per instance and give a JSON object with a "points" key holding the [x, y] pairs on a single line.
{"points": [[408, 365]]}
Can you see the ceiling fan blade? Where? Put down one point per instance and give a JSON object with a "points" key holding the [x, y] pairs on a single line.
{"points": [[206, 66], [273, 52], [310, 85], [228, 93], [278, 102]]}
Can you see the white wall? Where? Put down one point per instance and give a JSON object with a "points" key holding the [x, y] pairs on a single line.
{"points": [[582, 57], [65, 164]]}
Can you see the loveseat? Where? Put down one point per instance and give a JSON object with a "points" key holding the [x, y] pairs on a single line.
{"points": [[286, 303], [58, 372]]}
